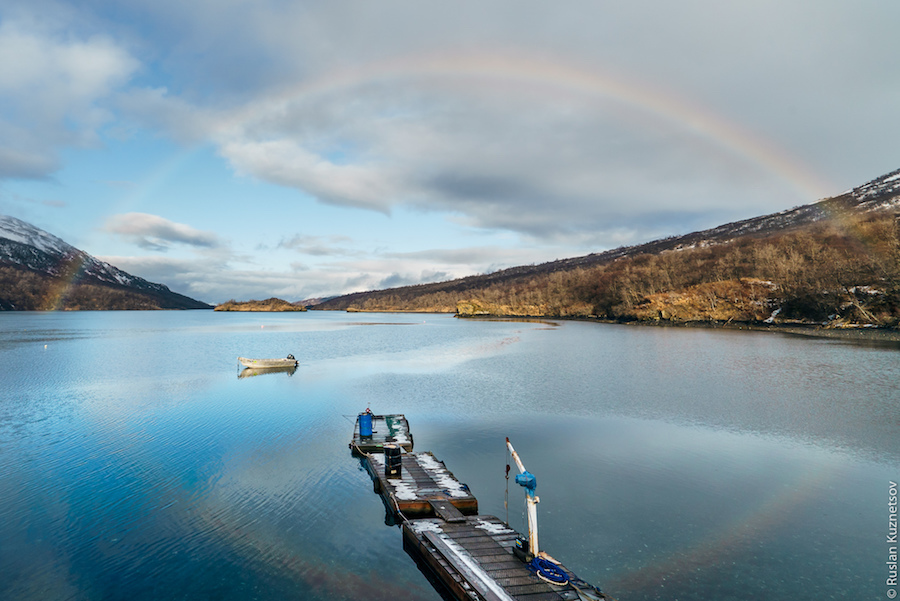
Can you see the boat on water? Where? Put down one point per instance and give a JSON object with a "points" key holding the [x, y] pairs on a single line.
{"points": [[288, 361]]}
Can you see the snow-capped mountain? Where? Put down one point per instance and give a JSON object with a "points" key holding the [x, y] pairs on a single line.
{"points": [[25, 233], [24, 246], [883, 192]]}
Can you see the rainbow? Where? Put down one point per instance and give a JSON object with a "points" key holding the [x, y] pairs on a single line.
{"points": [[726, 543], [553, 78], [62, 284]]}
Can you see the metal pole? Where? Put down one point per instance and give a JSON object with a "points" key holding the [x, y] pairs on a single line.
{"points": [[527, 480]]}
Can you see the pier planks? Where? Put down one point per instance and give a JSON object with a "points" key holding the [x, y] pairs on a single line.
{"points": [[423, 480], [474, 560]]}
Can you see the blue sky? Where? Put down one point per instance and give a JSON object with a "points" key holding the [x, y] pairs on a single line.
{"points": [[238, 149]]}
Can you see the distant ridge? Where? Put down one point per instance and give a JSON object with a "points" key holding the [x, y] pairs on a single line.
{"points": [[880, 194], [620, 283], [39, 271]]}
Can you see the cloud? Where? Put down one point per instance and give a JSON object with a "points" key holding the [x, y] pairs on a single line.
{"points": [[524, 156], [158, 110], [214, 280], [53, 87], [472, 255], [287, 163], [47, 202], [218, 276], [555, 124], [152, 232], [319, 246]]}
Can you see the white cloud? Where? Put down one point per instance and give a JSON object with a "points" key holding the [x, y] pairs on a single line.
{"points": [[153, 232], [545, 121], [287, 163], [53, 88], [319, 246], [158, 110], [513, 156], [216, 276]]}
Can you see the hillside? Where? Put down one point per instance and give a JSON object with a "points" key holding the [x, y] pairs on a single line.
{"points": [[268, 305], [836, 261], [39, 271]]}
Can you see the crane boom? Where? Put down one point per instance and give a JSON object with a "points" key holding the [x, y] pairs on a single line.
{"points": [[527, 480]]}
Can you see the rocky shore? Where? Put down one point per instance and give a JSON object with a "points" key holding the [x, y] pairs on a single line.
{"points": [[665, 318]]}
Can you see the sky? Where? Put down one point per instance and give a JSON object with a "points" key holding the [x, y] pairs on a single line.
{"points": [[243, 149]]}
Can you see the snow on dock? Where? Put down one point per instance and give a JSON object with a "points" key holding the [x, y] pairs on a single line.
{"points": [[474, 560], [422, 479], [469, 557]]}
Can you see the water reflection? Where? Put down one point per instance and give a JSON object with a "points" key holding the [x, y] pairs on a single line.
{"points": [[249, 372], [671, 463]]}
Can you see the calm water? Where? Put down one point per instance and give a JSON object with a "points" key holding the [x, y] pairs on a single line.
{"points": [[671, 464]]}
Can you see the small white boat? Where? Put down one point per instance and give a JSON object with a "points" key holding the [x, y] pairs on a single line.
{"points": [[289, 361]]}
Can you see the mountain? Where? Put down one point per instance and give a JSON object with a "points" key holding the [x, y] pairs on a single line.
{"points": [[834, 261], [39, 271]]}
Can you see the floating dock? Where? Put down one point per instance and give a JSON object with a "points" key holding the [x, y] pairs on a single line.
{"points": [[386, 429], [474, 560], [424, 482], [469, 557]]}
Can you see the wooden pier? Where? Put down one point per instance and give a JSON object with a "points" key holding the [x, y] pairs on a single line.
{"points": [[470, 557], [386, 429], [424, 481], [474, 560]]}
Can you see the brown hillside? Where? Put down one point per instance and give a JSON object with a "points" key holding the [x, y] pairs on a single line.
{"points": [[270, 304], [836, 262]]}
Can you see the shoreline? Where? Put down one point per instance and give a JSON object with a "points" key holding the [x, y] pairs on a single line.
{"points": [[875, 334], [813, 331]]}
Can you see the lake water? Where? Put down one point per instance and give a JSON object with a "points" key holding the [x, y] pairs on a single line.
{"points": [[671, 463]]}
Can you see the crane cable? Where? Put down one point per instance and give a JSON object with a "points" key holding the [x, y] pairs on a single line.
{"points": [[506, 498]]}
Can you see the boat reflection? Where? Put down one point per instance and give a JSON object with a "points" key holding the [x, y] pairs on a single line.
{"points": [[249, 372]]}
